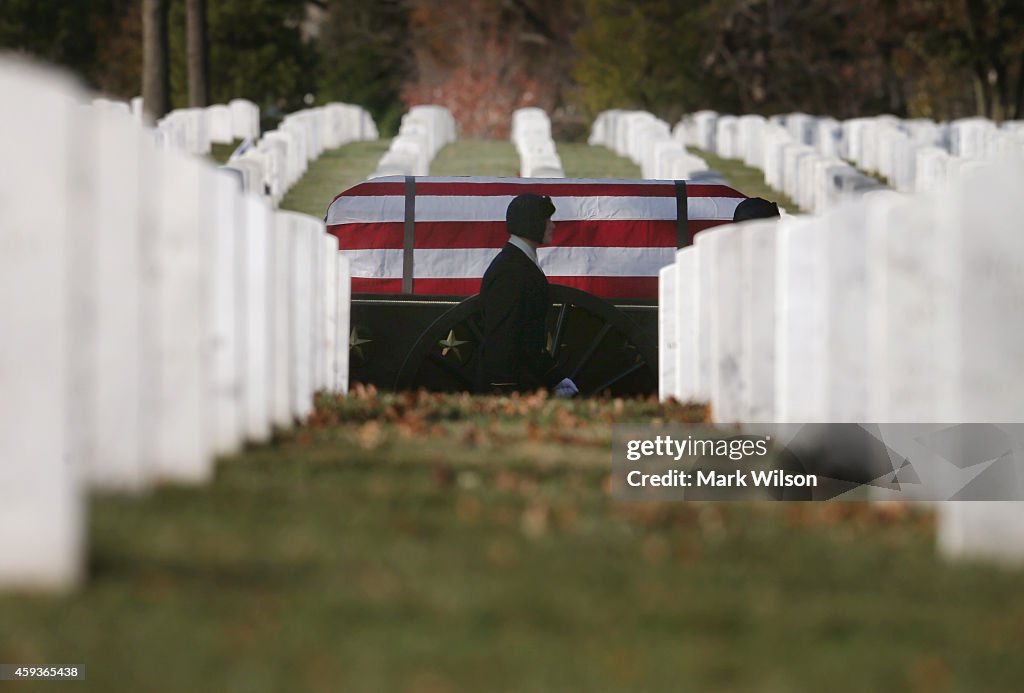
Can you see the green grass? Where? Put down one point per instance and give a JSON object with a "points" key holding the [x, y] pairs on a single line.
{"points": [[476, 158], [221, 152], [333, 172], [447, 543], [584, 161], [748, 180]]}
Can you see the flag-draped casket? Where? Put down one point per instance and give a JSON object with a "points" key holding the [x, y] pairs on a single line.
{"points": [[437, 235]]}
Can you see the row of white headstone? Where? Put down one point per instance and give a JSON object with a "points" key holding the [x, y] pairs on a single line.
{"points": [[423, 132], [153, 317], [648, 142], [531, 135], [809, 158], [282, 156], [890, 308], [193, 130], [799, 156]]}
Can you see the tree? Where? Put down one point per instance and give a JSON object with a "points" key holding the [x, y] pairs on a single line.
{"points": [[198, 61], [155, 74], [100, 40], [505, 56], [365, 57], [985, 38], [256, 52], [648, 55]]}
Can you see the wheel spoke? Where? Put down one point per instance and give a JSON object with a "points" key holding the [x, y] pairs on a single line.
{"points": [[596, 342], [607, 384], [475, 329], [559, 324]]}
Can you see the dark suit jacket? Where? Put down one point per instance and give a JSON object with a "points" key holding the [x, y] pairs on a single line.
{"points": [[514, 295]]}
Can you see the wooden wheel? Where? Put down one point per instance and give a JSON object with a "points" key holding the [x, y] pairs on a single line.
{"points": [[597, 345]]}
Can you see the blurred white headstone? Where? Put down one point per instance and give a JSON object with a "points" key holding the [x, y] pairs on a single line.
{"points": [[117, 462], [904, 285], [224, 343], [176, 397], [301, 329], [800, 329], [757, 368], [41, 494], [317, 300], [705, 313], [280, 348], [667, 332], [847, 308], [330, 313], [344, 302], [687, 324], [257, 245], [728, 388]]}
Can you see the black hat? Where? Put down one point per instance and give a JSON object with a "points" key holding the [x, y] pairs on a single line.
{"points": [[755, 208], [528, 215]]}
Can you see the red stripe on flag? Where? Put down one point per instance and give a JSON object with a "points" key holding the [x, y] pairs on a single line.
{"points": [[370, 285], [492, 234]]}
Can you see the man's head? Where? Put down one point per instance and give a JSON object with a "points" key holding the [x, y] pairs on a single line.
{"points": [[755, 208], [529, 216]]}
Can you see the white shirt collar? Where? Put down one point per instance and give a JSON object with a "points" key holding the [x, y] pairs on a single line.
{"points": [[530, 251]]}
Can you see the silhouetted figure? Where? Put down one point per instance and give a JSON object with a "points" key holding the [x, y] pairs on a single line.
{"points": [[755, 208], [514, 294]]}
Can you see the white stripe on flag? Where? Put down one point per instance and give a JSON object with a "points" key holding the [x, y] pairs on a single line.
{"points": [[471, 263], [391, 208]]}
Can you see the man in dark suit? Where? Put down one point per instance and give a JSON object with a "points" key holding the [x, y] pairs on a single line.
{"points": [[515, 302]]}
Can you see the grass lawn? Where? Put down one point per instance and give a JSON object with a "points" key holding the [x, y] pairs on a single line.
{"points": [[447, 543], [220, 152], [580, 160], [746, 179], [333, 172], [476, 158]]}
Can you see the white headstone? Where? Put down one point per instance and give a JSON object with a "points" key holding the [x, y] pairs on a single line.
{"points": [[257, 246], [757, 368], [728, 387], [329, 349], [176, 397], [317, 304], [705, 313], [281, 325], [984, 215], [688, 324], [343, 283], [904, 284], [41, 494], [301, 329], [117, 462], [224, 341], [800, 337], [846, 311], [667, 332]]}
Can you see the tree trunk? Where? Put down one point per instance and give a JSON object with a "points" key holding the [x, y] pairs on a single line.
{"points": [[156, 86], [198, 60], [1018, 107]]}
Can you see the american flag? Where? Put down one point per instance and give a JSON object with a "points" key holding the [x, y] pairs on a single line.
{"points": [[611, 236]]}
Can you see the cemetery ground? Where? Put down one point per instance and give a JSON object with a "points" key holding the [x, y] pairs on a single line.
{"points": [[447, 542], [418, 542], [747, 179]]}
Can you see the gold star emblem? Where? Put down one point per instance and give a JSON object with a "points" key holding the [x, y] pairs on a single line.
{"points": [[449, 343], [356, 342]]}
